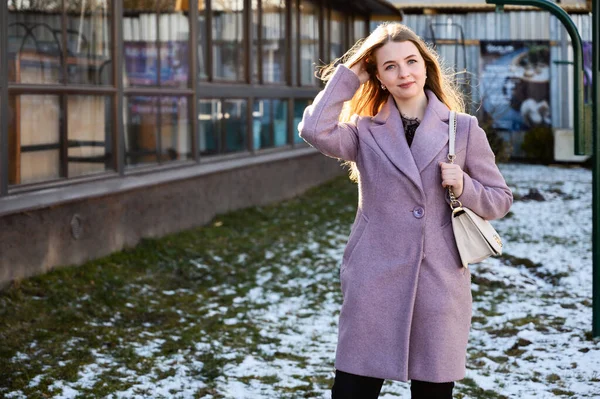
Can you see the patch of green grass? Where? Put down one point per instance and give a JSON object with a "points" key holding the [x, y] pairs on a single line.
{"points": [[469, 387], [515, 351], [534, 268], [552, 378], [506, 331], [562, 392], [498, 359], [182, 286], [517, 261]]}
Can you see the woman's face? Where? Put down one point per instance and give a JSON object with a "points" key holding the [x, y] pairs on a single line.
{"points": [[401, 69]]}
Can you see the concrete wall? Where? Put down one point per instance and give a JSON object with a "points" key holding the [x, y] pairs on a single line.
{"points": [[36, 241]]}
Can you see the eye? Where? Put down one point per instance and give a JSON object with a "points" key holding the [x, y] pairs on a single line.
{"points": [[411, 61], [387, 68]]}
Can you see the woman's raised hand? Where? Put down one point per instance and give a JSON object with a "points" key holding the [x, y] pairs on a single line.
{"points": [[360, 70]]}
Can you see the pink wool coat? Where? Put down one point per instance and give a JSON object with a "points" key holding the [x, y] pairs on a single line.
{"points": [[406, 309]]}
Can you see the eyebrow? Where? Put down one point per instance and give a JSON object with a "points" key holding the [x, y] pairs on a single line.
{"points": [[410, 56]]}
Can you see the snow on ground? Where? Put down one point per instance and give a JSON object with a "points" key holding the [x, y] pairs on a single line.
{"points": [[531, 344], [531, 325], [548, 307]]}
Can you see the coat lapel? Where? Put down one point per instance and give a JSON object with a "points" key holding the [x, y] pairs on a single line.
{"points": [[388, 133], [432, 134], [430, 138]]}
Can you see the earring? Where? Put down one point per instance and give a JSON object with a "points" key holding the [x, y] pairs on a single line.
{"points": [[383, 87]]}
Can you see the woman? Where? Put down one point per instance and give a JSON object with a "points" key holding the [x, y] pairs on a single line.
{"points": [[406, 309]]}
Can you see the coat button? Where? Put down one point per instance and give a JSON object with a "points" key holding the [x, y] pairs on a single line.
{"points": [[418, 212]]}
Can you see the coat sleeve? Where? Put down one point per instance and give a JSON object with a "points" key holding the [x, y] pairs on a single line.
{"points": [[484, 190], [320, 126]]}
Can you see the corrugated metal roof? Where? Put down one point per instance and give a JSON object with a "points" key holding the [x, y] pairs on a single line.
{"points": [[481, 7]]}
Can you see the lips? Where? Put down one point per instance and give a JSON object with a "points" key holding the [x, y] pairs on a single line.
{"points": [[406, 85]]}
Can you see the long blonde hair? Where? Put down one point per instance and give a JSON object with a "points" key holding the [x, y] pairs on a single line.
{"points": [[370, 97]]}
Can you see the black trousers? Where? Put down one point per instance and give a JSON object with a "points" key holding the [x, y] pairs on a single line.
{"points": [[352, 386]]}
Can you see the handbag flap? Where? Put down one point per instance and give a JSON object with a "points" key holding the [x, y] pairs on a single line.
{"points": [[487, 230]]}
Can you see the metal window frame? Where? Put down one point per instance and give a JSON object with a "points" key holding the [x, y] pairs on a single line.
{"points": [[193, 78], [118, 103], [158, 92], [290, 122], [287, 34], [63, 116], [287, 73], [246, 43], [259, 43], [3, 99], [346, 39], [249, 61], [298, 65], [327, 53], [62, 89], [272, 122], [345, 17], [208, 33], [356, 18], [318, 7], [288, 91]]}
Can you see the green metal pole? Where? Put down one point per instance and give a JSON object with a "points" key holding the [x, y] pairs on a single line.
{"points": [[595, 170], [582, 144]]}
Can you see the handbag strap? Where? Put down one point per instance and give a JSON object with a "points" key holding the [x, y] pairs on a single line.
{"points": [[454, 203], [451, 136]]}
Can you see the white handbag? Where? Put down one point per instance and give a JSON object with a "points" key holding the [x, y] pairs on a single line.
{"points": [[475, 237]]}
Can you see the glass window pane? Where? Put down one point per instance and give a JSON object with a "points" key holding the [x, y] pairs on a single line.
{"points": [[34, 49], [141, 130], [227, 34], [222, 126], [359, 29], [175, 129], [88, 42], [337, 39], [90, 138], [299, 107], [234, 125], [261, 124], [33, 139], [255, 32], [174, 32], [280, 128], [269, 123], [139, 43], [309, 42], [273, 41], [202, 42], [209, 126]]}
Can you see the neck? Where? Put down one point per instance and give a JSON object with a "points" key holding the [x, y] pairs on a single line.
{"points": [[413, 107]]}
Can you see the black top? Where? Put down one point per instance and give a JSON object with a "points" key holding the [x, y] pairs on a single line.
{"points": [[410, 127]]}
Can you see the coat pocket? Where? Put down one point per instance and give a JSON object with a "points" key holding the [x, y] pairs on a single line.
{"points": [[355, 235]]}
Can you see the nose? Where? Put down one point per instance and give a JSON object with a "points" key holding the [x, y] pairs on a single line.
{"points": [[403, 72]]}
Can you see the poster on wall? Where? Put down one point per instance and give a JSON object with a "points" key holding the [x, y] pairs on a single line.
{"points": [[515, 84], [141, 63]]}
